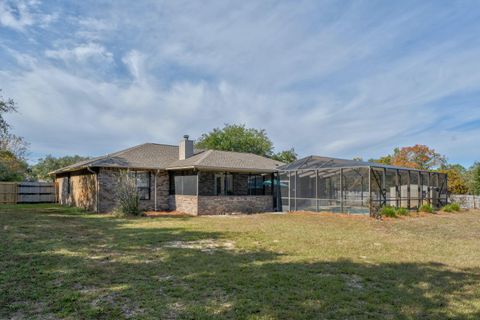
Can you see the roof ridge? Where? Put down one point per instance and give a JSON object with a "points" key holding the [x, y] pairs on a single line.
{"points": [[202, 157], [240, 152], [162, 144]]}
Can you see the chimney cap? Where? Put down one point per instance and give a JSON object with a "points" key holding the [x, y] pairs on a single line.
{"points": [[186, 136]]}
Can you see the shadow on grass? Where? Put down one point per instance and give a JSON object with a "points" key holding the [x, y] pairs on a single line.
{"points": [[99, 268]]}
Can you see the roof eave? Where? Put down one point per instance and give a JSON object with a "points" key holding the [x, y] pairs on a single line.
{"points": [[216, 168], [105, 167]]}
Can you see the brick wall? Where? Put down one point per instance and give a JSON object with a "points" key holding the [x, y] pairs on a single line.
{"points": [[184, 203], [107, 183], [215, 205]]}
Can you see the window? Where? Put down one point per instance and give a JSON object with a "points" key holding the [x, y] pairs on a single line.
{"points": [[68, 183], [223, 184], [142, 180], [183, 183], [256, 185]]}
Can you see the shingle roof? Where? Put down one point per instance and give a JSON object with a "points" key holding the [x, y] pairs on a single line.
{"points": [[227, 160], [162, 156], [144, 156]]}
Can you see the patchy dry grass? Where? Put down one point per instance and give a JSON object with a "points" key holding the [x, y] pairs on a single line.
{"points": [[59, 262]]}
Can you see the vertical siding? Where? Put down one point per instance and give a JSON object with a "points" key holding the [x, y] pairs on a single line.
{"points": [[83, 190]]}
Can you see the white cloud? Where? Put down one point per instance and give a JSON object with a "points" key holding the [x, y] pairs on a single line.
{"points": [[81, 53], [336, 80], [19, 15], [135, 62]]}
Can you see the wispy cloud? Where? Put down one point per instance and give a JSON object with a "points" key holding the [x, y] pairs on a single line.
{"points": [[81, 53], [333, 78], [19, 15]]}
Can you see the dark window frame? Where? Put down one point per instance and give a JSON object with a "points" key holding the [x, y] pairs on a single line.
{"points": [[68, 184], [144, 196], [226, 189], [180, 190], [256, 180]]}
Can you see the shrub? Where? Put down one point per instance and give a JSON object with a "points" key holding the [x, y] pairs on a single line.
{"points": [[451, 207], [447, 208], [401, 212], [455, 206], [388, 211], [426, 208], [126, 195]]}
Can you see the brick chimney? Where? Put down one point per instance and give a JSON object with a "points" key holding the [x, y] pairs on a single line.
{"points": [[185, 148]]}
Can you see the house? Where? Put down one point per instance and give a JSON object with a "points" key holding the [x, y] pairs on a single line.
{"points": [[171, 177]]}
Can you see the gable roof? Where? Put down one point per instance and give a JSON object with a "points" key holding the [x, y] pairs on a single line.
{"points": [[227, 160], [143, 156], [165, 157]]}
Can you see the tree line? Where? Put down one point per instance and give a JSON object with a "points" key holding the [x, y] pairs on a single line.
{"points": [[461, 180], [231, 137]]}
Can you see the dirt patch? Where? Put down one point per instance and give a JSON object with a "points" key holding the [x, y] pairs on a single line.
{"points": [[329, 214], [166, 214], [205, 245]]}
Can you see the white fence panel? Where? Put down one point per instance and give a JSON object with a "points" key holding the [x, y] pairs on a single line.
{"points": [[466, 201]]}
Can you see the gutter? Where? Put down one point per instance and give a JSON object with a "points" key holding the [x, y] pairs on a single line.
{"points": [[155, 190], [257, 170]]}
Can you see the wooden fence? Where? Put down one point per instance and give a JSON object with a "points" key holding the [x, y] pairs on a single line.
{"points": [[26, 192]]}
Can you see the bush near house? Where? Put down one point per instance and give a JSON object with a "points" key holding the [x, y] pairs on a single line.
{"points": [[401, 212], [452, 207], [393, 212], [426, 208], [388, 211], [126, 195]]}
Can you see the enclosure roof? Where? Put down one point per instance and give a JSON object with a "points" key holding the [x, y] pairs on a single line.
{"points": [[227, 161], [318, 162], [143, 156]]}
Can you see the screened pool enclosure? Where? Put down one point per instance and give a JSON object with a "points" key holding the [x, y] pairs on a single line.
{"points": [[357, 187]]}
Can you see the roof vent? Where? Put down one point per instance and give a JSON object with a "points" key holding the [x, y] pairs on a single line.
{"points": [[185, 148]]}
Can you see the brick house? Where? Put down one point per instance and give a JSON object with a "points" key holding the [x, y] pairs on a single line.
{"points": [[168, 177]]}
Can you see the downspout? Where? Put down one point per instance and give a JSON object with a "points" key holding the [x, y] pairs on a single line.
{"points": [[97, 187], [155, 190]]}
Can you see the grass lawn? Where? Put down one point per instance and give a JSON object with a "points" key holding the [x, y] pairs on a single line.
{"points": [[58, 262]]}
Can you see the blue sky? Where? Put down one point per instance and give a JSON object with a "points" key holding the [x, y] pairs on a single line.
{"points": [[334, 78]]}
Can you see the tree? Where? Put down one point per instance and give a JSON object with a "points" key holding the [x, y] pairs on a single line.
{"points": [[6, 106], [383, 160], [286, 156], [239, 138], [474, 178], [457, 178], [15, 144], [11, 167], [50, 163], [416, 157], [13, 149]]}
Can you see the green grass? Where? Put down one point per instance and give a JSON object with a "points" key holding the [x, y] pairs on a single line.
{"points": [[427, 208], [388, 211], [451, 207], [58, 262]]}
